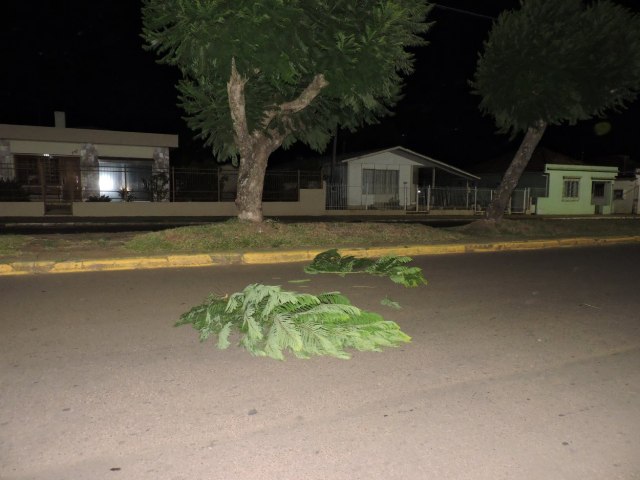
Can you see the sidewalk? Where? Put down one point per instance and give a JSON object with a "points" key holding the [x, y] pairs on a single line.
{"points": [[87, 264]]}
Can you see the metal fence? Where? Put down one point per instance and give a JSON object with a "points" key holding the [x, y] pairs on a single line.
{"points": [[220, 185], [57, 180], [64, 180], [426, 199]]}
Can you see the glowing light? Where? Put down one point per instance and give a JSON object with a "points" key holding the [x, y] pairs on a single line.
{"points": [[106, 183], [601, 128]]}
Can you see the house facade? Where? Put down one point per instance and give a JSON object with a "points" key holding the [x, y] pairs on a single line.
{"points": [[59, 165], [626, 194], [578, 190], [395, 178]]}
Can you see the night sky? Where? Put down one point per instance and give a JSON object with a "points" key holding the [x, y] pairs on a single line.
{"points": [[86, 58]]}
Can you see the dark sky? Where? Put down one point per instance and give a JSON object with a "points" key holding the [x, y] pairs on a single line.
{"points": [[86, 58]]}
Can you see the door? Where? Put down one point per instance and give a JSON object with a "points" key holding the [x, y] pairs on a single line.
{"points": [[60, 179]]}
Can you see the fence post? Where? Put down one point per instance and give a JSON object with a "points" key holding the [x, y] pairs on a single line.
{"points": [[218, 181], [428, 198], [298, 185], [475, 198], [42, 178], [173, 183]]}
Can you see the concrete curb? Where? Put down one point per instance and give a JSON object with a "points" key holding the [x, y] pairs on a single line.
{"points": [[291, 256]]}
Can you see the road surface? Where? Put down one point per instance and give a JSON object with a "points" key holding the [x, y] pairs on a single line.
{"points": [[523, 365]]}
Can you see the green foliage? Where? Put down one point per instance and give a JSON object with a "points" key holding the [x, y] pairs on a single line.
{"points": [[558, 61], [278, 47], [126, 194], [271, 321], [332, 262], [391, 266], [387, 302], [99, 198]]}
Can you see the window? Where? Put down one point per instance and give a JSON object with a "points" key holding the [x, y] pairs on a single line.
{"points": [[379, 182], [570, 188], [598, 189], [28, 171], [618, 194], [121, 175]]}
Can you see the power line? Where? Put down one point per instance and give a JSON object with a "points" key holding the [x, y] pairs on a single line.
{"points": [[466, 12]]}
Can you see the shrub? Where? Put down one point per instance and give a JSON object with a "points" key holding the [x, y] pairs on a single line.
{"points": [[101, 198]]}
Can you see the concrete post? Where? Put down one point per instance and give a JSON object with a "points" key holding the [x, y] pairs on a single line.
{"points": [[7, 164], [161, 164], [89, 171]]}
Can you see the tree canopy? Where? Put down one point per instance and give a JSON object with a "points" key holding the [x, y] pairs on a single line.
{"points": [[354, 51], [558, 61], [552, 62]]}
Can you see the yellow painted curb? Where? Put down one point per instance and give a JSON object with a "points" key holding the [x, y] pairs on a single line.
{"points": [[256, 258], [111, 264], [189, 260], [32, 267]]}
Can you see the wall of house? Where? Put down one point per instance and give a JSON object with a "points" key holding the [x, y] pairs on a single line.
{"points": [[381, 161], [311, 204], [626, 195], [21, 209], [557, 204], [73, 149]]}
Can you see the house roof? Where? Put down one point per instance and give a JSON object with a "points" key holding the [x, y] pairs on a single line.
{"points": [[541, 157], [418, 158], [80, 135]]}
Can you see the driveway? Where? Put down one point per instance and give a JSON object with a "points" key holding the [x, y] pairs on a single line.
{"points": [[523, 365]]}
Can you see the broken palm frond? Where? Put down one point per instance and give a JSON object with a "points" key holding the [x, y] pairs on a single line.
{"points": [[271, 321], [391, 266]]}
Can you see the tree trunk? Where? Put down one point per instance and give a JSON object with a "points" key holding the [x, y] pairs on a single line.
{"points": [[251, 175], [255, 146], [495, 211]]}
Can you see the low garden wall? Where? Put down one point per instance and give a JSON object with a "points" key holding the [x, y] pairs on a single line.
{"points": [[311, 203]]}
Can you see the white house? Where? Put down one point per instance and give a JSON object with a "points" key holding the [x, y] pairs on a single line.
{"points": [[392, 177], [626, 193]]}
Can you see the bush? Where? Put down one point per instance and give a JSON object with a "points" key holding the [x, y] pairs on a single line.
{"points": [[101, 198]]}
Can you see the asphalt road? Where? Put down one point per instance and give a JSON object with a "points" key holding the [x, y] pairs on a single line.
{"points": [[523, 365]]}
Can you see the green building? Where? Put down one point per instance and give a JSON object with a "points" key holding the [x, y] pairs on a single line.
{"points": [[577, 190]]}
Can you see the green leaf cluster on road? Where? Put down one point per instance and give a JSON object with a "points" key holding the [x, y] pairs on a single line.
{"points": [[271, 321], [391, 266]]}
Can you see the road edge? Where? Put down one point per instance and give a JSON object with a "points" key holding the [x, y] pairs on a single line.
{"points": [[292, 256]]}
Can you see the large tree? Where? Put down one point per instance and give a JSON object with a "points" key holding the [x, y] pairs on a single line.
{"points": [[553, 62], [261, 74]]}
